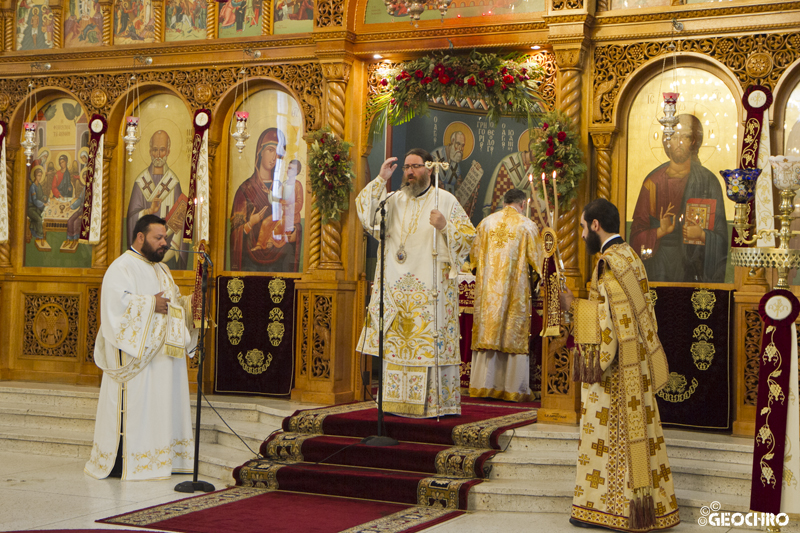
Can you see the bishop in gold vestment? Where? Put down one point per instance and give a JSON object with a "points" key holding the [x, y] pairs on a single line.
{"points": [[506, 243], [410, 310], [624, 481]]}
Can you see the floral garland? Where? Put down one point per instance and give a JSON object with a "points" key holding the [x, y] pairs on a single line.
{"points": [[330, 173], [554, 149], [506, 86]]}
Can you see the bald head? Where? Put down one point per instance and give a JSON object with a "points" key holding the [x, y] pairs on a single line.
{"points": [[159, 148]]}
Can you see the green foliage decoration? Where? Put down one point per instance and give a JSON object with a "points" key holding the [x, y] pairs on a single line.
{"points": [[330, 173]]}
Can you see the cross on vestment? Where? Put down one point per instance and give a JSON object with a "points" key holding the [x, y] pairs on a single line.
{"points": [[602, 416], [164, 187], [599, 447], [595, 480], [626, 321], [148, 185], [664, 472], [634, 403]]}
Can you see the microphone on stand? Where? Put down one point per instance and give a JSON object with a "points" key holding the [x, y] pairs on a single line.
{"points": [[383, 202], [194, 484]]}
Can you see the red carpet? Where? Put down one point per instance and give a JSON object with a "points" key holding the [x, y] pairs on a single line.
{"points": [[316, 477], [435, 464], [249, 510]]}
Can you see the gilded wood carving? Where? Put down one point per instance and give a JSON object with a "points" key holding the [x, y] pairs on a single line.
{"points": [[754, 59], [51, 325]]}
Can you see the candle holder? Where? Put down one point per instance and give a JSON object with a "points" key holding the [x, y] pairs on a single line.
{"points": [[741, 187], [29, 141], [241, 135], [669, 120], [131, 137]]}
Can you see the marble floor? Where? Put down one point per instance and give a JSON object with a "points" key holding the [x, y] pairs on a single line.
{"points": [[41, 493]]}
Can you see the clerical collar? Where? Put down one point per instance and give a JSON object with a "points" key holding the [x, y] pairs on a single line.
{"points": [[423, 192], [613, 237]]}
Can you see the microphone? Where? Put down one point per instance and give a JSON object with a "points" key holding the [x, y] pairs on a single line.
{"points": [[383, 202], [204, 254]]}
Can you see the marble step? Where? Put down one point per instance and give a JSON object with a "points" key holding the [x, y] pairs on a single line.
{"points": [[555, 496], [44, 395], [690, 474], [708, 447], [45, 441], [32, 415]]}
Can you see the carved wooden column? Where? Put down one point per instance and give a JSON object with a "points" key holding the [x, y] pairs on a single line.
{"points": [[106, 9], [57, 8], [266, 18], [211, 22], [336, 75], [5, 249], [603, 142], [100, 256], [158, 12], [8, 29], [569, 29], [325, 362]]}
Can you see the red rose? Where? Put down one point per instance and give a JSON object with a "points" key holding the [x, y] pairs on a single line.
{"points": [[510, 102], [489, 82], [443, 79], [562, 136], [438, 69], [322, 139], [459, 82], [472, 81], [426, 80], [504, 71], [508, 79], [384, 82], [545, 126], [419, 74], [336, 157], [524, 71], [393, 101], [544, 164], [330, 186], [549, 152], [559, 164], [504, 86], [550, 140]]}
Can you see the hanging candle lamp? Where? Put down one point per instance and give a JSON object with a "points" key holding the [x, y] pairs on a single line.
{"points": [[669, 120], [29, 141], [131, 137]]}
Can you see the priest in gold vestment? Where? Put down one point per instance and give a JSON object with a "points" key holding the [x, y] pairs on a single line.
{"points": [[506, 243], [624, 480], [410, 366]]}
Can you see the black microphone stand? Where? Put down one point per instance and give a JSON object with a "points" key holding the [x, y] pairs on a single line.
{"points": [[194, 484], [380, 439]]}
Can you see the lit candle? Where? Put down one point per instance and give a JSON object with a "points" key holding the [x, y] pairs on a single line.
{"points": [[555, 198], [528, 209], [546, 200]]}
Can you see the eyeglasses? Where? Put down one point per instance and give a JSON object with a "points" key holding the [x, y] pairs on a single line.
{"points": [[406, 168]]}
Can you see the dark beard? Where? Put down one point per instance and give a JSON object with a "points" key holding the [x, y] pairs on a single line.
{"points": [[153, 255], [593, 243]]}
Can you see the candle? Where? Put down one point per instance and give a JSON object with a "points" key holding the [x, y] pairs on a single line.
{"points": [[555, 198], [528, 209], [546, 200]]}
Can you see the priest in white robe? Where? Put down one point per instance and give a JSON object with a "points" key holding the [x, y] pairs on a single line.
{"points": [[506, 243], [146, 330], [410, 363]]}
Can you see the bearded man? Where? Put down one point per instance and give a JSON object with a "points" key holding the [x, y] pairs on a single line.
{"points": [[157, 191], [685, 248], [143, 428], [452, 153], [409, 304], [623, 480]]}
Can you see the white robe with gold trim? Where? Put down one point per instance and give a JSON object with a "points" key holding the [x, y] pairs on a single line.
{"points": [[148, 395], [409, 374]]}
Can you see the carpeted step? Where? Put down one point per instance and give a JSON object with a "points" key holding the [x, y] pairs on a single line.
{"points": [[478, 426], [423, 458], [351, 482]]}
